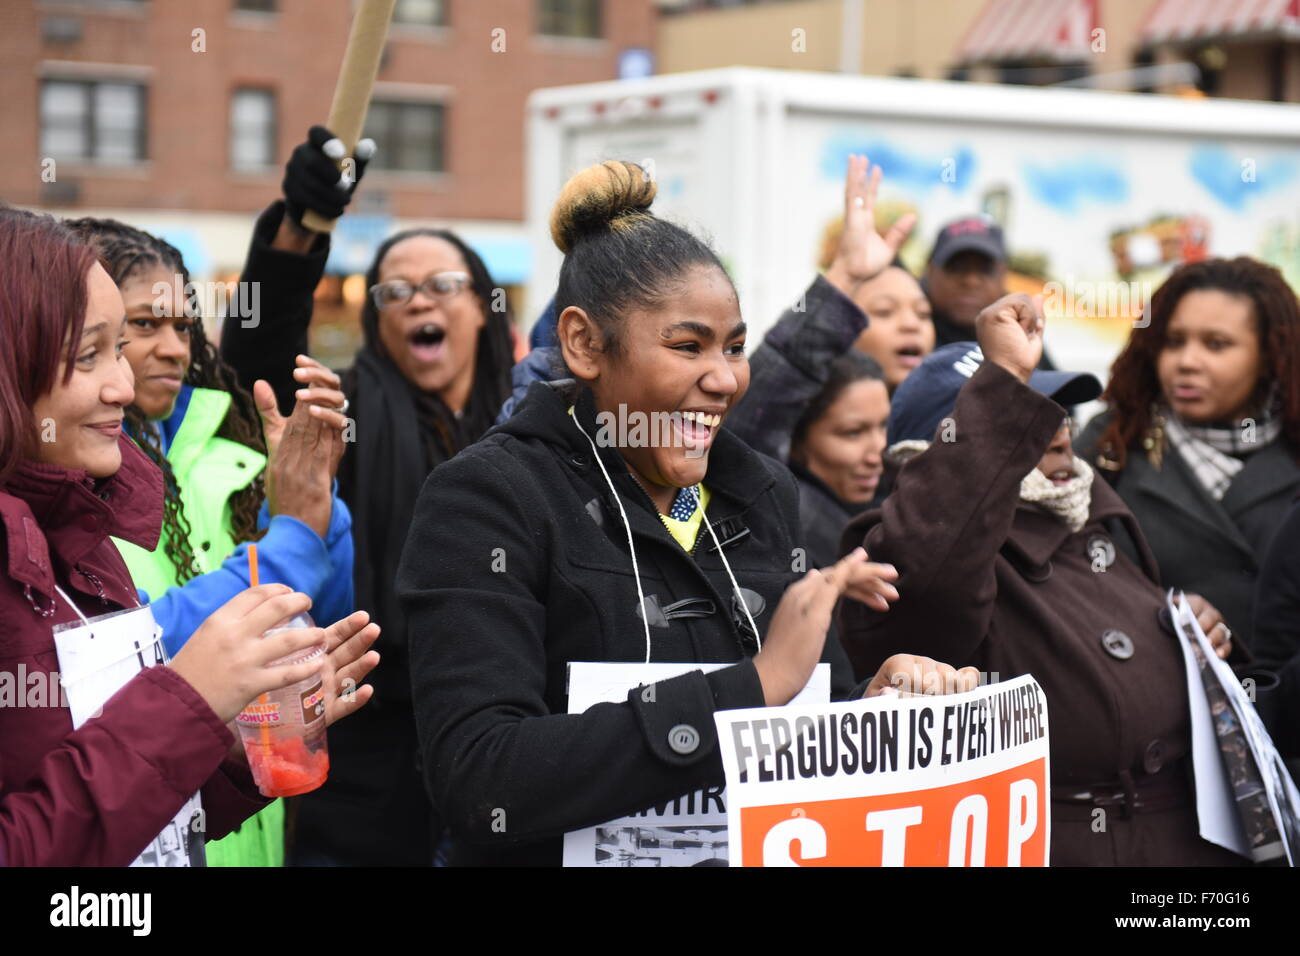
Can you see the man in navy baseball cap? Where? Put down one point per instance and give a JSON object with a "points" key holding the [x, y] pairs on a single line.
{"points": [[967, 271], [927, 396]]}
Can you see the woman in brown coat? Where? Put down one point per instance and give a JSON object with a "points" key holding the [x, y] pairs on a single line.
{"points": [[1021, 569]]}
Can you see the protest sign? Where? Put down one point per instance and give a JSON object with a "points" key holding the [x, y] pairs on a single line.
{"points": [[952, 780], [688, 831], [1234, 761], [99, 656]]}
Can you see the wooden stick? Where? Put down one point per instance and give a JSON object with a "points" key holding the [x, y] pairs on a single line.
{"points": [[355, 83]]}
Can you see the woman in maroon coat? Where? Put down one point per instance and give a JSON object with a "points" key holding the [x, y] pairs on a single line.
{"points": [[69, 478]]}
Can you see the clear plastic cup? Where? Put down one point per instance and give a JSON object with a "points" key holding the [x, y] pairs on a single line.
{"points": [[284, 731]]}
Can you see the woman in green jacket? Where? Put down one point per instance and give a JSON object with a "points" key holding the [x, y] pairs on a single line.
{"points": [[231, 475]]}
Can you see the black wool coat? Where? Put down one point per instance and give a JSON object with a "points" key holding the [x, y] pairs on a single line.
{"points": [[1212, 548], [517, 563], [1277, 635], [373, 809], [988, 582]]}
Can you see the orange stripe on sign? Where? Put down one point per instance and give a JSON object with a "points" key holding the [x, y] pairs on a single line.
{"points": [[990, 820]]}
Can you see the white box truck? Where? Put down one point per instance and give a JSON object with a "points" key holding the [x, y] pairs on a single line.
{"points": [[1100, 193]]}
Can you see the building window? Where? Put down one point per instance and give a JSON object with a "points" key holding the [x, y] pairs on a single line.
{"points": [[256, 6], [422, 13], [93, 121], [252, 130], [569, 18], [409, 136]]}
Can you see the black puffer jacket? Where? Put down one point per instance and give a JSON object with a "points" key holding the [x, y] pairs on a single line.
{"points": [[517, 563]]}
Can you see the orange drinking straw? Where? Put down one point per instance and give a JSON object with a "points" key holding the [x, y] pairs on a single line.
{"points": [[253, 582]]}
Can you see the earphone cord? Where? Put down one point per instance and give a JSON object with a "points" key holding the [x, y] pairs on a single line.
{"points": [[627, 527], [730, 577]]}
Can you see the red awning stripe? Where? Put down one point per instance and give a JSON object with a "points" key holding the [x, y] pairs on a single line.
{"points": [[1018, 29], [1174, 21]]}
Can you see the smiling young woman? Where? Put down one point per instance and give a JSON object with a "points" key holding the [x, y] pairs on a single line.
{"points": [[549, 542], [1202, 434], [83, 419]]}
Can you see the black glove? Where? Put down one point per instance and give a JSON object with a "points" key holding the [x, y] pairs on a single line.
{"points": [[313, 181]]}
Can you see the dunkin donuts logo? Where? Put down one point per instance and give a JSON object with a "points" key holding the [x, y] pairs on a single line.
{"points": [[313, 704], [259, 714]]}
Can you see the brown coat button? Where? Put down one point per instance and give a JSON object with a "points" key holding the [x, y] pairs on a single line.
{"points": [[1154, 757], [1118, 644]]}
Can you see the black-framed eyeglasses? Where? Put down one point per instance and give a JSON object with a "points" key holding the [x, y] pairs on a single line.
{"points": [[440, 287]]}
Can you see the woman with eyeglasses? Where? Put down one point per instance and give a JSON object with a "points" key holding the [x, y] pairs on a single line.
{"points": [[428, 381]]}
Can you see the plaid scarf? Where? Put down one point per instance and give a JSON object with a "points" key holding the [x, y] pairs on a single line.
{"points": [[1214, 452]]}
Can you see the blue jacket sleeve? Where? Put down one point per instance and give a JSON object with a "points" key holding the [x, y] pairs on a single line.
{"points": [[290, 553], [337, 597]]}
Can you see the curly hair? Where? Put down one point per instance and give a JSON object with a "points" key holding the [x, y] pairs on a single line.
{"points": [[1135, 386], [124, 249]]}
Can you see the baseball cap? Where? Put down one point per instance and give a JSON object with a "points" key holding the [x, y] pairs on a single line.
{"points": [[974, 233], [927, 396]]}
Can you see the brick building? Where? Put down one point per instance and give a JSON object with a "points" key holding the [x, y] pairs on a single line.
{"points": [[177, 115]]}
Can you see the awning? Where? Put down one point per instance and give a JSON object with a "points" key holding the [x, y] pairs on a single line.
{"points": [[1028, 29], [508, 257], [510, 261], [1181, 21]]}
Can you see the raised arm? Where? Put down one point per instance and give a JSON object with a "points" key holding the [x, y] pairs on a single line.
{"points": [[267, 321], [793, 362], [953, 505]]}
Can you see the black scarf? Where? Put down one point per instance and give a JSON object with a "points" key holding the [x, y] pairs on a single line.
{"points": [[402, 434]]}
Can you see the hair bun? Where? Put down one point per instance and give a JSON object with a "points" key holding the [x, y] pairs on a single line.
{"points": [[612, 194]]}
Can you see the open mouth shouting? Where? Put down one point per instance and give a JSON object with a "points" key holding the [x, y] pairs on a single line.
{"points": [[909, 356], [427, 342]]}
